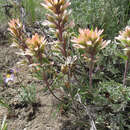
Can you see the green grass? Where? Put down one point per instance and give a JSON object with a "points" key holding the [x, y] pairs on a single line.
{"points": [[3, 18], [110, 15], [34, 11]]}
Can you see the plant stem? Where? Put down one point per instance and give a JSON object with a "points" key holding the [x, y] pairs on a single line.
{"points": [[60, 28], [71, 95], [91, 71], [48, 86], [125, 73]]}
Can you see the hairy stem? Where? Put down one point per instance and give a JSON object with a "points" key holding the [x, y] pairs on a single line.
{"points": [[71, 94], [125, 73], [60, 28], [91, 71], [48, 86]]}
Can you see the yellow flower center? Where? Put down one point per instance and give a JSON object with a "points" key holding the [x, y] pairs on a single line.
{"points": [[8, 75]]}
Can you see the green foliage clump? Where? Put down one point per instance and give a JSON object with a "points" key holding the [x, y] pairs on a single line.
{"points": [[110, 15], [28, 94], [33, 10], [4, 103]]}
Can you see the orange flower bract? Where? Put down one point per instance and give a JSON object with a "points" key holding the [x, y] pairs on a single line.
{"points": [[36, 43], [56, 6], [124, 38], [14, 27], [90, 40]]}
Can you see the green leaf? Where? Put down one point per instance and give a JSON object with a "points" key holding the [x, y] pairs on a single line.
{"points": [[45, 60], [4, 104], [124, 57]]}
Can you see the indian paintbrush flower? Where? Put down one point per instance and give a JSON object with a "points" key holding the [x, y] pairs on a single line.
{"points": [[58, 21], [56, 6], [17, 31], [91, 42], [36, 42], [124, 39], [36, 45], [15, 27], [69, 64]]}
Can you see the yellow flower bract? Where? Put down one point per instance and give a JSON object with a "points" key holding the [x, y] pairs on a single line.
{"points": [[124, 38], [90, 40], [36, 43], [14, 26]]}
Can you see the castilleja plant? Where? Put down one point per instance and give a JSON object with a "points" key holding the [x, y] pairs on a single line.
{"points": [[30, 46], [36, 46], [17, 32], [33, 48], [58, 21], [124, 39], [91, 42], [19, 37]]}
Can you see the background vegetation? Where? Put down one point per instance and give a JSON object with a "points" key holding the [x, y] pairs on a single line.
{"points": [[108, 92], [110, 15]]}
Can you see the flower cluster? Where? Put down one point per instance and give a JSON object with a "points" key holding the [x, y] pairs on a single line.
{"points": [[17, 31], [36, 44], [124, 38], [58, 20], [90, 40], [59, 15], [29, 46], [15, 27], [69, 64]]}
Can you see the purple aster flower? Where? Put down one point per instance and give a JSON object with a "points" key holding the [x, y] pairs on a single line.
{"points": [[9, 76]]}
